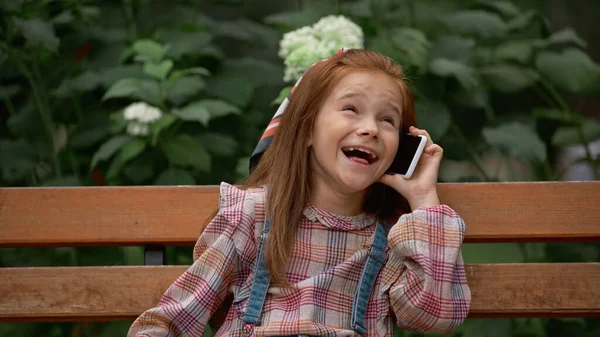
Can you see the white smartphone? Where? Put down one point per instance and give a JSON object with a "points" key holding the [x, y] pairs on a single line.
{"points": [[409, 152]]}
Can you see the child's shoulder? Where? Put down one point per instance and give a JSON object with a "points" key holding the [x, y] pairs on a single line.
{"points": [[241, 197]]}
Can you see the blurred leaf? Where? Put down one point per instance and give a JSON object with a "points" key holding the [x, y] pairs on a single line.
{"points": [[526, 19], [91, 130], [38, 33], [504, 8], [242, 166], [149, 91], [63, 18], [257, 72], [175, 176], [292, 20], [492, 253], [109, 76], [196, 112], [569, 135], [249, 31], [177, 74], [184, 150], [158, 70], [567, 35], [499, 327], [283, 94], [139, 169], [186, 43], [112, 329], [477, 97], [519, 51], [163, 123], [571, 70], [449, 68], [219, 144], [476, 22], [516, 140], [17, 160], [108, 149], [235, 89], [412, 47], [124, 87], [70, 180], [129, 150], [507, 78], [149, 50], [89, 11], [184, 88], [433, 117], [27, 122], [84, 82], [9, 90], [218, 108], [453, 48], [557, 115]]}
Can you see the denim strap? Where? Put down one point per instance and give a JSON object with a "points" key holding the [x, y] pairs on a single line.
{"points": [[260, 282], [375, 260]]}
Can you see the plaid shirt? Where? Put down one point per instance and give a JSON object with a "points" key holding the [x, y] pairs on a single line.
{"points": [[422, 287]]}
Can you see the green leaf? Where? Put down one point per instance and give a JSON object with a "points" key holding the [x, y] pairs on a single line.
{"points": [[218, 108], [219, 144], [149, 50], [477, 97], [196, 112], [177, 74], [161, 124], [453, 48], [232, 88], [139, 169], [519, 51], [17, 160], [186, 43], [125, 87], [516, 140], [242, 166], [283, 94], [433, 117], [158, 70], [526, 19], [567, 35], [292, 20], [556, 115], [412, 46], [476, 22], [449, 68], [70, 180], [84, 82], [257, 72], [492, 253], [184, 150], [504, 8], [571, 70], [9, 90], [90, 131], [176, 177], [508, 78], [185, 88], [132, 148], [149, 91], [569, 135], [108, 149], [38, 33], [63, 18]]}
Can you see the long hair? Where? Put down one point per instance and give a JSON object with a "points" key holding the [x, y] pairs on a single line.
{"points": [[285, 167]]}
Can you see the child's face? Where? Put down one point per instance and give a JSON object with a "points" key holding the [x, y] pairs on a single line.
{"points": [[356, 132]]}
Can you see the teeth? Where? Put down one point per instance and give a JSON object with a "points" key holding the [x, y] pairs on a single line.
{"points": [[371, 154]]}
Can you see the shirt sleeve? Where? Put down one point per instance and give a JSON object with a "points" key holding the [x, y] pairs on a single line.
{"points": [[219, 256], [425, 273]]}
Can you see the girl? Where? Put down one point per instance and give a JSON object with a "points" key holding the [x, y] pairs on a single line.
{"points": [[320, 241]]}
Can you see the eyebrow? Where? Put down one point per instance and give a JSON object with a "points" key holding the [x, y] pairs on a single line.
{"points": [[352, 94]]}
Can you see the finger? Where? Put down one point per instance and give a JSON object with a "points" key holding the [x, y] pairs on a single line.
{"points": [[433, 149], [416, 132]]}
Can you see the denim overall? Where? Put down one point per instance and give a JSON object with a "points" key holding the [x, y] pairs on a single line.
{"points": [[376, 259]]}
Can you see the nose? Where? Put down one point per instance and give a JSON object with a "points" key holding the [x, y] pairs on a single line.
{"points": [[367, 128]]}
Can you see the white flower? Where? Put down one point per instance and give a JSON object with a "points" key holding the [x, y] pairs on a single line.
{"points": [[137, 129], [303, 47], [139, 116]]}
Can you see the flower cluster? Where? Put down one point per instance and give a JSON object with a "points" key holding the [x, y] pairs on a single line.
{"points": [[303, 47], [140, 115]]}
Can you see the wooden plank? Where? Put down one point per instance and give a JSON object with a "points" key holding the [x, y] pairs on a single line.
{"points": [[111, 293], [494, 212]]}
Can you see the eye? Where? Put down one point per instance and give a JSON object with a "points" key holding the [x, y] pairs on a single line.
{"points": [[351, 108], [389, 120]]}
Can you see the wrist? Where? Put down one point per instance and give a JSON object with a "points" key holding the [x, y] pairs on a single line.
{"points": [[427, 200]]}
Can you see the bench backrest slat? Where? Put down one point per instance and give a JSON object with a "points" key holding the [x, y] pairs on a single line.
{"points": [[494, 212], [109, 293]]}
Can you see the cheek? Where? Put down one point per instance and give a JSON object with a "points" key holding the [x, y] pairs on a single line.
{"points": [[391, 146]]}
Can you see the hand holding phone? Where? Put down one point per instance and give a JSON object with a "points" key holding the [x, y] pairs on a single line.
{"points": [[410, 149]]}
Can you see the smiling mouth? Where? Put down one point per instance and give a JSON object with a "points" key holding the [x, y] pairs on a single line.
{"points": [[360, 155]]}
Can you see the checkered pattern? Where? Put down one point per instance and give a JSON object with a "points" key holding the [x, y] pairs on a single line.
{"points": [[422, 287]]}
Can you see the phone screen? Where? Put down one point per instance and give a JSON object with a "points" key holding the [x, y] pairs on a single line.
{"points": [[407, 148]]}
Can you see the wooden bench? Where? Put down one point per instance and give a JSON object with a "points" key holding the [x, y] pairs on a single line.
{"points": [[155, 217]]}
